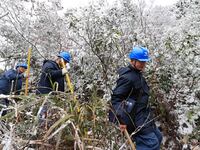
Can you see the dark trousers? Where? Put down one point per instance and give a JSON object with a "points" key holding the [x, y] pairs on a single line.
{"points": [[149, 141]]}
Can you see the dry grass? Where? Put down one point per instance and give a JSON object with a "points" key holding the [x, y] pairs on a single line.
{"points": [[68, 124]]}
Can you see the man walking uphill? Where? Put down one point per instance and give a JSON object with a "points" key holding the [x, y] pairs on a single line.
{"points": [[53, 73], [11, 81], [130, 100]]}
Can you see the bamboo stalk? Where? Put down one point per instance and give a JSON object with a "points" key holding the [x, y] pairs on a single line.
{"points": [[68, 79], [70, 86], [28, 71], [129, 140]]}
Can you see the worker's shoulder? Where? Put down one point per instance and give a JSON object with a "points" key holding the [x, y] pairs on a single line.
{"points": [[126, 71], [47, 63], [10, 71]]}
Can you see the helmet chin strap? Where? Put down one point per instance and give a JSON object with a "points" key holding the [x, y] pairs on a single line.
{"points": [[134, 65]]}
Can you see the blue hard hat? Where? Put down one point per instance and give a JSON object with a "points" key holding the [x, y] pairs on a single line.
{"points": [[140, 54], [65, 55], [24, 65]]}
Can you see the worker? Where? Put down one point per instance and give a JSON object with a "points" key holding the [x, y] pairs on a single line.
{"points": [[53, 72], [130, 101], [11, 82]]}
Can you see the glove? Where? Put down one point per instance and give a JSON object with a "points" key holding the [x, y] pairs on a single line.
{"points": [[64, 71], [25, 75]]}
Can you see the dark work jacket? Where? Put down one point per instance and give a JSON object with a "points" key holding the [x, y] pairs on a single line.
{"points": [[6, 82], [132, 85], [51, 73]]}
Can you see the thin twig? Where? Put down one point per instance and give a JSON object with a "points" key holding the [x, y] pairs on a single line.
{"points": [[4, 15]]}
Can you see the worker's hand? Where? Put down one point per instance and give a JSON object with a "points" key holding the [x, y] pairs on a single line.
{"points": [[64, 71], [25, 74], [122, 127]]}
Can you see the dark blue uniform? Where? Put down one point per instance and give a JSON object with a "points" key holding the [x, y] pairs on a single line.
{"points": [[132, 87], [51, 73], [6, 81], [6, 84]]}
